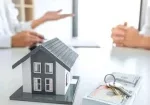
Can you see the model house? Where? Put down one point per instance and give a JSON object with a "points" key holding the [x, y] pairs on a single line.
{"points": [[46, 69]]}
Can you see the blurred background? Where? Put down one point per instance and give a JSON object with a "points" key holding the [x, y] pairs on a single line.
{"points": [[93, 19]]}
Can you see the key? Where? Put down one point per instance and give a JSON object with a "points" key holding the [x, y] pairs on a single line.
{"points": [[116, 92], [120, 87]]}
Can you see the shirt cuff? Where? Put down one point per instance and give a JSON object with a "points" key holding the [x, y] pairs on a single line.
{"points": [[24, 26], [145, 31], [5, 42], [27, 25]]}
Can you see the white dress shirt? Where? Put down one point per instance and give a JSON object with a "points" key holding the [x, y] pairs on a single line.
{"points": [[9, 24], [146, 28]]}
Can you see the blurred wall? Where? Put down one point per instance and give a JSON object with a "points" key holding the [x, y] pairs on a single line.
{"points": [[61, 28], [143, 12]]}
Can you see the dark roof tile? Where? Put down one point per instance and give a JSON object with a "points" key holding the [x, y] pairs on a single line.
{"points": [[61, 51]]}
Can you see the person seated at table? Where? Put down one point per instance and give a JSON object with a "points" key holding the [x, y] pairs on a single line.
{"points": [[124, 36], [15, 34]]}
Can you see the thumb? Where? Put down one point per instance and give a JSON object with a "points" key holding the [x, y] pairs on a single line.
{"points": [[59, 11], [125, 23]]}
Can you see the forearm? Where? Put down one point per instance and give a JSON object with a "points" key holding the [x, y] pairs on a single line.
{"points": [[19, 27], [37, 22], [144, 42]]}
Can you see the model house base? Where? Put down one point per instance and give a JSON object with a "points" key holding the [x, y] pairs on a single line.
{"points": [[67, 99]]}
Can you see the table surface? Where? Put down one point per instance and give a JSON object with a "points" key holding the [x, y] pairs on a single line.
{"points": [[92, 65]]}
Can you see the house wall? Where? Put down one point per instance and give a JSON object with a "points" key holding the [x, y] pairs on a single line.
{"points": [[61, 72], [69, 80], [26, 74], [60, 79], [43, 57]]}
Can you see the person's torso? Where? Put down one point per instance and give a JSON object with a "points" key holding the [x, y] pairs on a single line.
{"points": [[8, 15]]}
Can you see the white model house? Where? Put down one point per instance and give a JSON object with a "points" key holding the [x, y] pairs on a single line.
{"points": [[46, 69]]}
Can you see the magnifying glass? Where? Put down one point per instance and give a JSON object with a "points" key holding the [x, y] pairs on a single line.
{"points": [[109, 78]]}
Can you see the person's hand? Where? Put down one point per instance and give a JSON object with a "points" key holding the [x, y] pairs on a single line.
{"points": [[116, 35], [26, 38], [125, 36], [50, 16], [55, 15]]}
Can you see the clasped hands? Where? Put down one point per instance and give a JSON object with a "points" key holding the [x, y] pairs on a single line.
{"points": [[124, 36]]}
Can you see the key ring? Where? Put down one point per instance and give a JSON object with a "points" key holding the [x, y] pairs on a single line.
{"points": [[110, 78]]}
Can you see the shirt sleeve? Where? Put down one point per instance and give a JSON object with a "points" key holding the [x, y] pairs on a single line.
{"points": [[12, 18], [22, 26], [5, 36], [146, 28], [5, 42]]}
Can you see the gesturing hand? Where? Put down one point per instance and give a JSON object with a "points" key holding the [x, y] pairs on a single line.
{"points": [[26, 38], [55, 15]]}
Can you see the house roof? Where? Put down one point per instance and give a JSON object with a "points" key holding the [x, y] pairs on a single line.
{"points": [[60, 51]]}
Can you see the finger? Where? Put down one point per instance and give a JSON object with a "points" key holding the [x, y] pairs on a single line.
{"points": [[33, 33], [35, 39], [117, 39], [125, 24], [122, 27], [66, 15], [112, 29], [132, 28], [37, 35], [59, 11], [30, 44], [41, 36], [118, 32], [119, 45]]}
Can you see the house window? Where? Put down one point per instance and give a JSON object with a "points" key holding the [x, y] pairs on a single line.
{"points": [[37, 84], [48, 84], [48, 68], [37, 67], [67, 78]]}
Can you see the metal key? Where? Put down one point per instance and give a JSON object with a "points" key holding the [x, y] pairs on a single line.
{"points": [[116, 92], [120, 87]]}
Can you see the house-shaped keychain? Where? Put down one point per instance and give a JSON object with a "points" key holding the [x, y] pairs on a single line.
{"points": [[46, 71]]}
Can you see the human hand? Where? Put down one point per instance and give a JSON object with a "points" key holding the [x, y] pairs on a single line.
{"points": [[55, 15], [115, 35], [125, 36], [26, 38]]}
